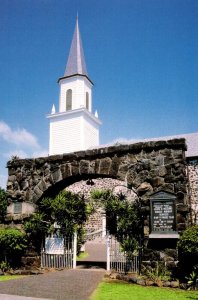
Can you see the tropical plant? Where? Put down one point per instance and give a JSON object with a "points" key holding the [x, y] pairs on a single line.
{"points": [[68, 210], [156, 274], [193, 279], [123, 218]]}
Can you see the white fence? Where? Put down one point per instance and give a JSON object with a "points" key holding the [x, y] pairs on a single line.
{"points": [[119, 261], [59, 253]]}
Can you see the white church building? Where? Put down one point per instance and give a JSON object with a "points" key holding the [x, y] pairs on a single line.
{"points": [[74, 127]]}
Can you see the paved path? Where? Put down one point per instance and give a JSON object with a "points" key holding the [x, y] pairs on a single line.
{"points": [[97, 251], [14, 297], [57, 285]]}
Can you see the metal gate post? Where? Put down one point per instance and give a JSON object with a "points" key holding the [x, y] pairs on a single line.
{"points": [[75, 250], [108, 253]]}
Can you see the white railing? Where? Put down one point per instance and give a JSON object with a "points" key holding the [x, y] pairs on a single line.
{"points": [[118, 260], [57, 260], [67, 259], [94, 234]]}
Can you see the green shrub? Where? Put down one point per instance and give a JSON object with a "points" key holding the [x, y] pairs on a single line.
{"points": [[4, 266], [12, 244], [188, 243], [188, 251]]}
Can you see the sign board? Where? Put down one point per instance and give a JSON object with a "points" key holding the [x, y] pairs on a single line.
{"points": [[54, 245], [163, 216], [163, 213]]}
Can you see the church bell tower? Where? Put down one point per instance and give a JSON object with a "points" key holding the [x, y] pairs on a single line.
{"points": [[74, 127]]}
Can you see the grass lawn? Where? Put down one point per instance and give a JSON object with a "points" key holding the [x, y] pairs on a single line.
{"points": [[82, 255], [125, 291], [10, 277]]}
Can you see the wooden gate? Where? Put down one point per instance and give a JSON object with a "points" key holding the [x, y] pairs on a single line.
{"points": [[59, 252], [118, 260]]}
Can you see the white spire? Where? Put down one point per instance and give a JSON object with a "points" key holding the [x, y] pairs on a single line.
{"points": [[96, 114], [53, 109], [76, 60]]}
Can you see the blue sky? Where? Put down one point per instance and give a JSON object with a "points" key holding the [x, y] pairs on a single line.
{"points": [[141, 55]]}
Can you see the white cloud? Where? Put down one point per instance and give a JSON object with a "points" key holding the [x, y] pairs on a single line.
{"points": [[16, 142], [19, 137], [19, 153], [41, 153], [22, 154], [121, 140], [3, 181]]}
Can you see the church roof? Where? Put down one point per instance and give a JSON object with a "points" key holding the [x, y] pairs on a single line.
{"points": [[191, 142], [76, 60]]}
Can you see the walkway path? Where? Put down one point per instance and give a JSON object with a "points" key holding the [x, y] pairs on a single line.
{"points": [[57, 285], [96, 250]]}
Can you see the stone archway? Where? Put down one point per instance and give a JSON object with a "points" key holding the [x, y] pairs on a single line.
{"points": [[148, 167]]}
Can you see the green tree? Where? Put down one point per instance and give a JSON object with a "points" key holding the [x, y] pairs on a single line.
{"points": [[67, 209], [188, 250], [36, 228], [3, 205], [12, 244], [123, 218]]}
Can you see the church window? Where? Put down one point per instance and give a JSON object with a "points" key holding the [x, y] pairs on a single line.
{"points": [[87, 100], [69, 100]]}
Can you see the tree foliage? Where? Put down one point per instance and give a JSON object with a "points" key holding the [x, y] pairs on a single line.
{"points": [[123, 218], [12, 243], [68, 210], [3, 205], [188, 251], [188, 243]]}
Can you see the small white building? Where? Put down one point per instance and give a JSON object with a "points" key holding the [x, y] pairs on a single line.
{"points": [[74, 127]]}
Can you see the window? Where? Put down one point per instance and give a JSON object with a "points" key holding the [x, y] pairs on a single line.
{"points": [[69, 100], [87, 100]]}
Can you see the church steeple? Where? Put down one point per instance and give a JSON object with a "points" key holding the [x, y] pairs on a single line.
{"points": [[73, 127], [76, 60]]}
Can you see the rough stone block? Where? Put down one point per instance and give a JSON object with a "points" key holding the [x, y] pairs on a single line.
{"points": [[157, 181], [114, 166], [105, 165], [166, 283], [97, 166], [84, 167], [149, 282], [141, 281], [75, 168], [174, 284], [144, 187], [182, 208], [66, 170], [181, 226], [123, 168]]}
